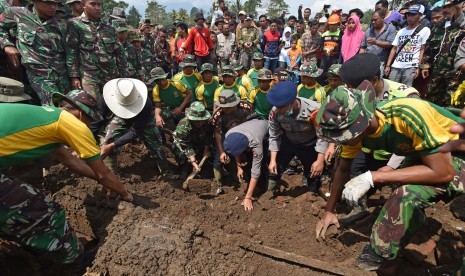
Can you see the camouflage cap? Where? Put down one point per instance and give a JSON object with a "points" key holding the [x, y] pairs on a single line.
{"points": [[72, 1], [134, 36], [81, 100], [188, 60], [157, 73], [227, 98], [445, 3], [236, 65], [310, 70], [119, 25], [118, 13], [197, 112], [228, 70], [265, 74], [12, 91], [258, 56], [346, 112], [207, 67], [334, 70]]}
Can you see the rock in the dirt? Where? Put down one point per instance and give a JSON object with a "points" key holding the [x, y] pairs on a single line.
{"points": [[417, 253], [457, 207]]}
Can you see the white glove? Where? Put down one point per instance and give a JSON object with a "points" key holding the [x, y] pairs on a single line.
{"points": [[357, 187]]}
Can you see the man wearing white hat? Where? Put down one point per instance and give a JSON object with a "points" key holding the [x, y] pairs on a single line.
{"points": [[134, 117]]}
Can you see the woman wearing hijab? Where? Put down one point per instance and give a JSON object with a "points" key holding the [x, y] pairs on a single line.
{"points": [[286, 40], [352, 38]]}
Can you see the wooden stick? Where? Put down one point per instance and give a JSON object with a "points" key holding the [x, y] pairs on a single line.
{"points": [[185, 184]]}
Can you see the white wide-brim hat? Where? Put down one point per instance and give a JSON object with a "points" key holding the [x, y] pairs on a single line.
{"points": [[125, 97]]}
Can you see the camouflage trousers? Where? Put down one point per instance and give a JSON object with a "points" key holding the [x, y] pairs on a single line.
{"points": [[31, 219], [151, 137], [93, 84], [443, 83], [46, 82], [403, 214]]}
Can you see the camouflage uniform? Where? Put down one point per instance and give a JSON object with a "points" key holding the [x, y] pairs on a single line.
{"points": [[142, 58], [134, 68], [42, 49], [439, 55], [403, 214], [30, 218], [248, 34], [188, 140], [93, 54]]}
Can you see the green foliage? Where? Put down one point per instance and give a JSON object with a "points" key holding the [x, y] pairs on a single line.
{"points": [[133, 17], [250, 6], [108, 6], [366, 20], [275, 7]]}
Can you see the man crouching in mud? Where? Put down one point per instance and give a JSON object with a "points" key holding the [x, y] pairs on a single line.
{"points": [[407, 127], [27, 216]]}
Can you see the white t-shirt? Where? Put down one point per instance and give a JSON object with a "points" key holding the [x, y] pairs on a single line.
{"points": [[410, 53]]}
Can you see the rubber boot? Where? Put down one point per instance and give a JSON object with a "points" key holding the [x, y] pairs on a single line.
{"points": [[111, 161], [165, 170], [273, 186], [219, 181]]}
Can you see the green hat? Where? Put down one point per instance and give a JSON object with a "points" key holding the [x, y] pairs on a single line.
{"points": [[197, 112], [206, 67], [133, 36], [334, 70], [346, 112], [157, 73], [265, 74], [188, 60], [310, 70], [228, 70], [119, 25], [81, 100], [258, 56], [236, 65], [12, 91]]}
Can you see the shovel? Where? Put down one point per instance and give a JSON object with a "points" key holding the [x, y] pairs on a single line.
{"points": [[185, 184]]}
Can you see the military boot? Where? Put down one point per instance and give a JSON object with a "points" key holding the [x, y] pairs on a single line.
{"points": [[219, 181], [165, 170]]}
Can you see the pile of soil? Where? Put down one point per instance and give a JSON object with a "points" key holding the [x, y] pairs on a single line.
{"points": [[168, 231]]}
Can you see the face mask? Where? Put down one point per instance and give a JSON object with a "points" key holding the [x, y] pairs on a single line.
{"points": [[289, 112]]}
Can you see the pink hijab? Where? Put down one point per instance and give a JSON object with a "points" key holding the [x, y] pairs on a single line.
{"points": [[351, 40]]}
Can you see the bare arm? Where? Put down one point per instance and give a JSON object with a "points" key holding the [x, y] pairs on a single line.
{"points": [[341, 176], [73, 163]]}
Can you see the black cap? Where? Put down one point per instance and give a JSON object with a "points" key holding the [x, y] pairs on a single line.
{"points": [[359, 68], [198, 16]]}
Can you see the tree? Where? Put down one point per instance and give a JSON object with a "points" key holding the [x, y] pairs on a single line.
{"points": [[366, 20], [133, 18], [156, 12], [250, 6], [275, 7], [182, 14], [191, 19]]}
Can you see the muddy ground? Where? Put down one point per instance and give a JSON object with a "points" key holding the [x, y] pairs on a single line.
{"points": [[168, 231]]}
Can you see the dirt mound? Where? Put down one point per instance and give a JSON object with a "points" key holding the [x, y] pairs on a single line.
{"points": [[168, 231]]}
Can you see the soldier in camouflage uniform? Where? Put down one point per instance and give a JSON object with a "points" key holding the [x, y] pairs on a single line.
{"points": [[77, 7], [407, 127], [134, 67], [193, 138], [440, 51], [40, 44], [27, 216], [93, 55], [144, 57], [125, 127], [248, 39]]}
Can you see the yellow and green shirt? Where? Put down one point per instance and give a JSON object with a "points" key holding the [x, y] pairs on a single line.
{"points": [[314, 92], [206, 91], [260, 103], [28, 132], [240, 91], [190, 81], [253, 75], [246, 82], [171, 96], [408, 127]]}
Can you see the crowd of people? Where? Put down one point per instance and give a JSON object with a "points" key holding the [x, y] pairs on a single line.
{"points": [[373, 104]]}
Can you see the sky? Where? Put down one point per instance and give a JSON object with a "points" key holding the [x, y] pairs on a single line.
{"points": [[316, 5]]}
